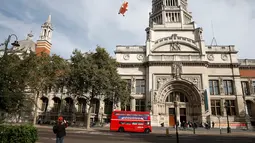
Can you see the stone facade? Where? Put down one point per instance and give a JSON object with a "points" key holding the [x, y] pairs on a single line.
{"points": [[175, 73]]}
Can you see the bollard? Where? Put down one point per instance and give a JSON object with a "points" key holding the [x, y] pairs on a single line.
{"points": [[167, 131]]}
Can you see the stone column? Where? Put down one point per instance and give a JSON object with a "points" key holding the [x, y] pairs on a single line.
{"points": [[132, 104]]}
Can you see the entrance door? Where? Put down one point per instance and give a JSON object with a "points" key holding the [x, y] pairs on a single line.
{"points": [[183, 117], [171, 117]]}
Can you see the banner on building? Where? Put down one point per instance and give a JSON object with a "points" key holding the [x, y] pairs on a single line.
{"points": [[206, 100]]}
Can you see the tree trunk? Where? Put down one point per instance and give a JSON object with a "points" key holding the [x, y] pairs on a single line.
{"points": [[36, 108], [88, 117]]}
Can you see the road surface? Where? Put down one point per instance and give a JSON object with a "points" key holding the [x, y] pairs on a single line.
{"points": [[47, 136]]}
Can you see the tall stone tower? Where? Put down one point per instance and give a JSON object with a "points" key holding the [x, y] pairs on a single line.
{"points": [[44, 43], [171, 22]]}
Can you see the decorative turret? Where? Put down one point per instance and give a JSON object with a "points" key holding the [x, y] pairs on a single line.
{"points": [[44, 42]]}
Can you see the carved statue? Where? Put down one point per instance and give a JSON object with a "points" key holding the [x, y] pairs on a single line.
{"points": [[252, 90], [133, 84], [155, 97], [159, 83], [221, 85], [200, 33], [177, 70]]}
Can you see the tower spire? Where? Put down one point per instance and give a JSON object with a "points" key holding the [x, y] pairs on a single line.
{"points": [[44, 42], [47, 29], [49, 19]]}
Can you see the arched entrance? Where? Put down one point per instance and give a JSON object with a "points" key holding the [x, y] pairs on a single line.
{"points": [[182, 99]]}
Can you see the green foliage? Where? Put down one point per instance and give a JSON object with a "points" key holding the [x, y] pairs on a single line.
{"points": [[12, 83], [94, 75], [18, 134]]}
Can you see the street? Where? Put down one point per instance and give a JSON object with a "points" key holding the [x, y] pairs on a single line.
{"points": [[47, 136]]}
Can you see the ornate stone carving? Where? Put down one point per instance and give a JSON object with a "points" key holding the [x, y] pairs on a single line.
{"points": [[133, 83], [140, 57], [175, 46], [221, 85], [200, 32], [224, 57], [195, 79], [252, 90], [177, 70], [161, 80], [210, 57], [126, 57], [155, 97]]}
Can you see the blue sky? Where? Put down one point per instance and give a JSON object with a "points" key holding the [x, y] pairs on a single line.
{"points": [[83, 24]]}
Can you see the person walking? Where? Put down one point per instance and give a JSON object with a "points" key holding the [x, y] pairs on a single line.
{"points": [[60, 130]]}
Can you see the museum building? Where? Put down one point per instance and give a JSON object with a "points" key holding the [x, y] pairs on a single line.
{"points": [[176, 73]]}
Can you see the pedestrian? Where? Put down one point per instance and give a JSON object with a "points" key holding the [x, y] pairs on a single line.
{"points": [[60, 130], [213, 124]]}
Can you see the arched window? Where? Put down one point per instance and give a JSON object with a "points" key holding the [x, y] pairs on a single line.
{"points": [[45, 32], [172, 97]]}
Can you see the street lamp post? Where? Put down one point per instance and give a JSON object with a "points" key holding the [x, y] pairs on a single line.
{"points": [[176, 122], [6, 43], [228, 128]]}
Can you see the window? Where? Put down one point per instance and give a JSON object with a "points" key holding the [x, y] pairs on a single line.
{"points": [[253, 84], [81, 105], [95, 106], [139, 105], [183, 98], [216, 107], [69, 105], [140, 86], [228, 87], [214, 87], [57, 104], [170, 98], [249, 108], [231, 108], [245, 87]]}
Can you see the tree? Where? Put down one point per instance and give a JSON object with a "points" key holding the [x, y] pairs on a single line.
{"points": [[123, 91], [43, 71], [93, 75], [12, 84]]}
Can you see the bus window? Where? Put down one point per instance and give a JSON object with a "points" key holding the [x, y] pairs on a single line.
{"points": [[128, 123], [140, 123], [134, 123], [146, 123], [121, 123]]}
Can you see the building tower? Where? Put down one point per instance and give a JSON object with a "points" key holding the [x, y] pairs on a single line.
{"points": [[44, 43], [170, 13], [172, 18]]}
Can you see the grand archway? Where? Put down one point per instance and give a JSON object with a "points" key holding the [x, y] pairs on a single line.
{"points": [[182, 99]]}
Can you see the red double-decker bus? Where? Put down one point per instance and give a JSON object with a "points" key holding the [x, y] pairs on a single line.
{"points": [[130, 121]]}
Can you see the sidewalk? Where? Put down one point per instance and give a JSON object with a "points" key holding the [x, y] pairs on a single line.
{"points": [[162, 131], [68, 128], [205, 132]]}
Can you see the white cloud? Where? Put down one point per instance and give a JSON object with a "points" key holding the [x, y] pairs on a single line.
{"points": [[84, 23]]}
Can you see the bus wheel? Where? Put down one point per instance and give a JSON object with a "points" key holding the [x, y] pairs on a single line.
{"points": [[121, 129], [147, 131]]}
